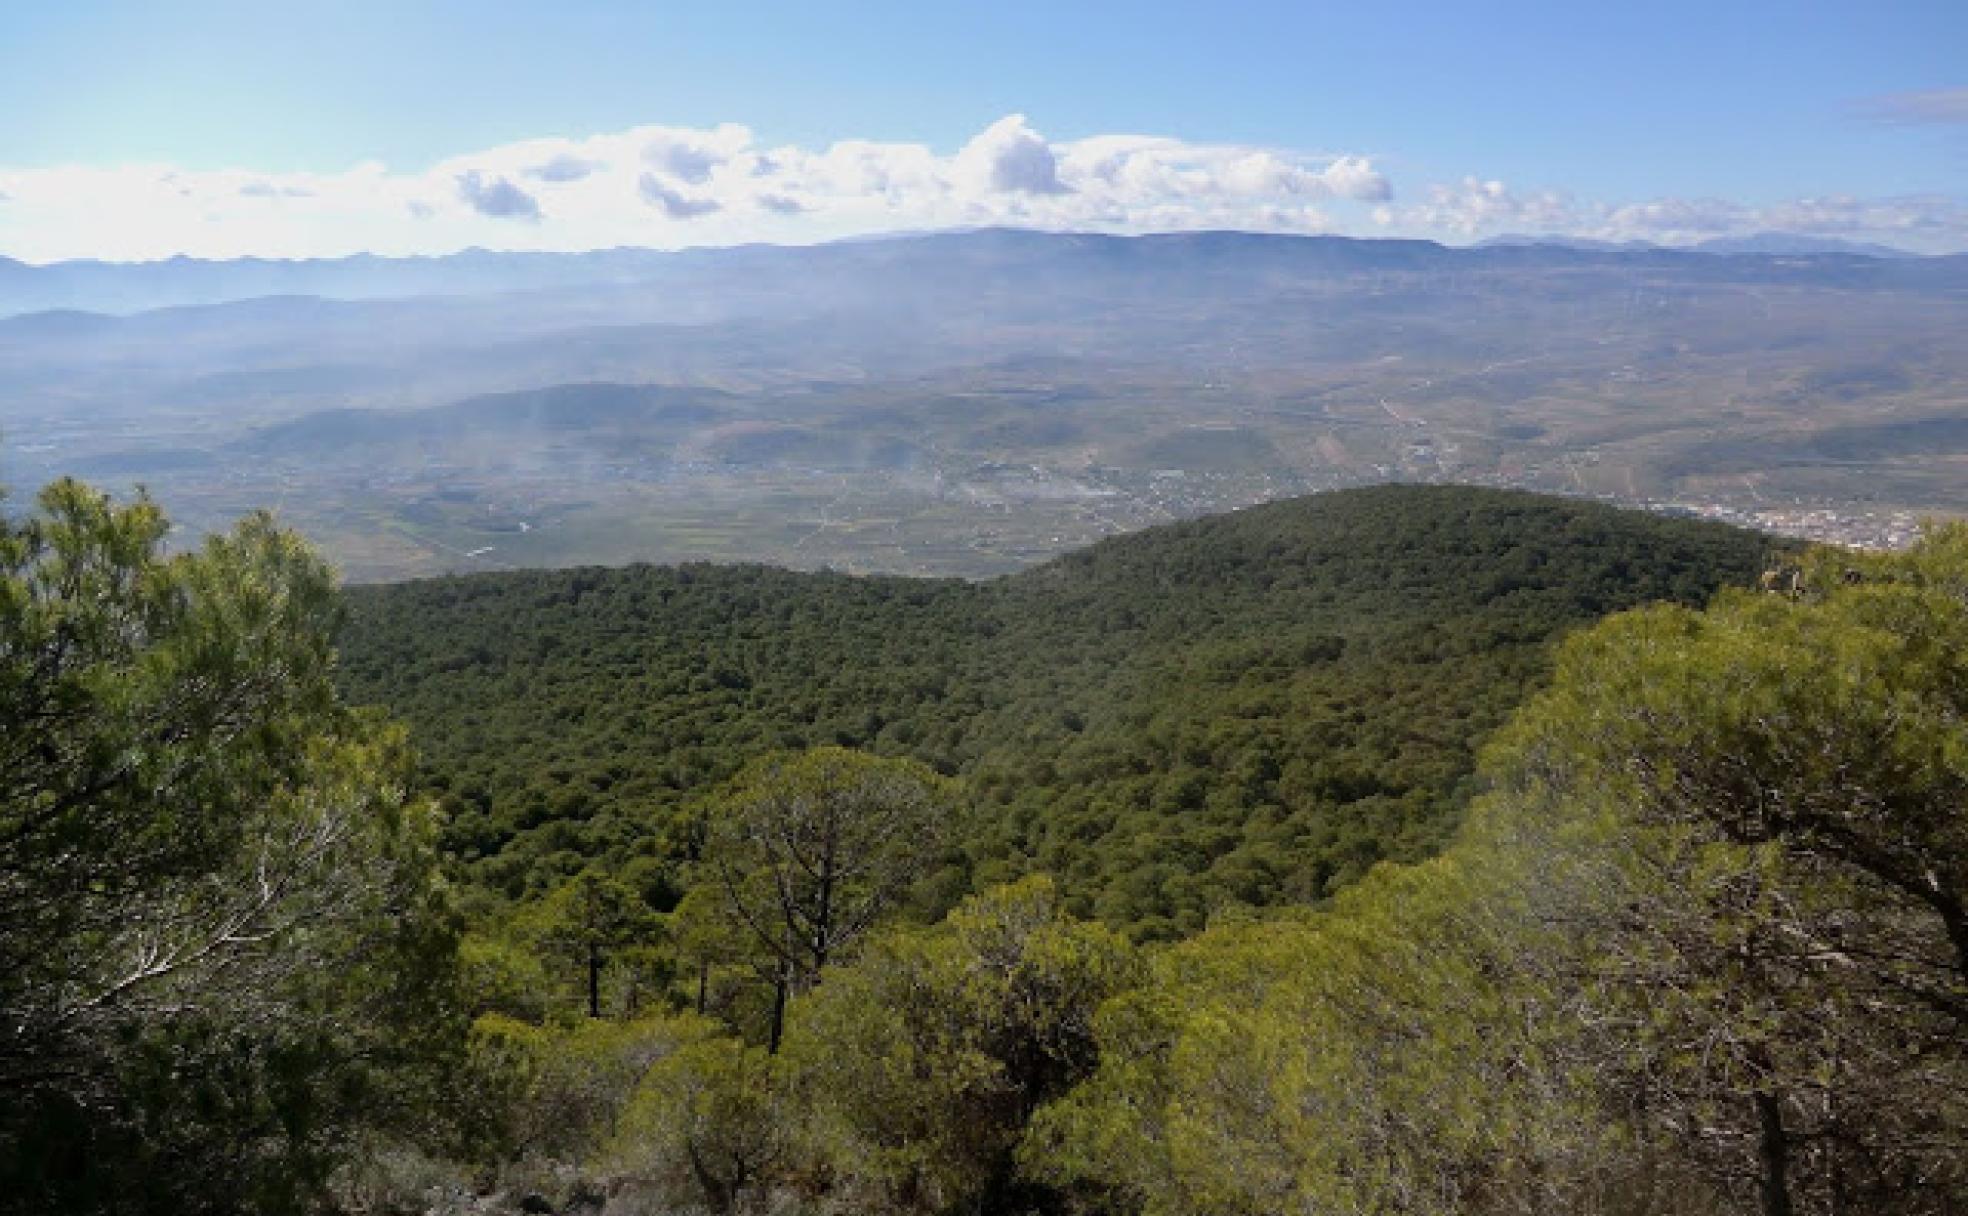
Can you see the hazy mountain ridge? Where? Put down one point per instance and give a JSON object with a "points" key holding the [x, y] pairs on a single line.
{"points": [[131, 287], [566, 408], [1762, 243], [968, 403]]}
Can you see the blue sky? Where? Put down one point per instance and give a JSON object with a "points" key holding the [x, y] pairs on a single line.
{"points": [[1657, 121]]}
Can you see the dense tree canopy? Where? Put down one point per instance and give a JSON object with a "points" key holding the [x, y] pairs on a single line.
{"points": [[219, 945], [1693, 953], [1696, 947], [1767, 808], [1251, 708]]}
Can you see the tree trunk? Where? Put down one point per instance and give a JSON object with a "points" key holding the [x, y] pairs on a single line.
{"points": [[823, 921], [1773, 1156], [1955, 919], [703, 987], [719, 1197], [779, 988], [594, 980]]}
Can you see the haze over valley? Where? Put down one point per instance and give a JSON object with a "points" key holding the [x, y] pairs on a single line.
{"points": [[970, 402]]}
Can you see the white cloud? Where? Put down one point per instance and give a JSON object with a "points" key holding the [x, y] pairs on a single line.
{"points": [[1008, 157], [269, 190], [668, 187], [1355, 177], [497, 198], [564, 167], [693, 156], [1673, 219], [1913, 218], [1475, 208], [671, 186], [783, 204], [675, 204]]}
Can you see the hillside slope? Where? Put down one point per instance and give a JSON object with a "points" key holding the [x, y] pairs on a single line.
{"points": [[1252, 707]]}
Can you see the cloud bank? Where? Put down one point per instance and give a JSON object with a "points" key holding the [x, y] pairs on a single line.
{"points": [[1474, 208], [669, 187]]}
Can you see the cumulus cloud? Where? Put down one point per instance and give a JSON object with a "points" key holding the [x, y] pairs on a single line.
{"points": [[497, 198], [633, 187], [563, 168], [1674, 219], [1355, 177], [1919, 107], [676, 205], [672, 186], [1009, 157], [1476, 207], [1914, 220], [693, 165], [692, 156], [1124, 166], [271, 190]]}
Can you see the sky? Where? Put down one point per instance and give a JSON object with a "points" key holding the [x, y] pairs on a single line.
{"points": [[222, 128]]}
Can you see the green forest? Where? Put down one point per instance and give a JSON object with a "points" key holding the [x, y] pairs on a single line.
{"points": [[1399, 850], [1247, 709]]}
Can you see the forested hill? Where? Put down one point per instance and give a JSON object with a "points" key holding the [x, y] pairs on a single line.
{"points": [[1250, 708]]}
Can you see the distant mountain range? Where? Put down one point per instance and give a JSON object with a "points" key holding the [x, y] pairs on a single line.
{"points": [[970, 402], [128, 287], [1771, 243]]}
